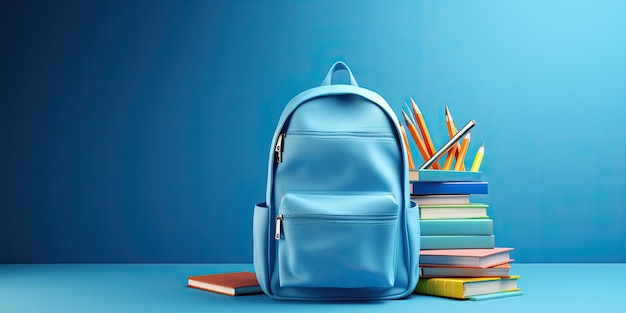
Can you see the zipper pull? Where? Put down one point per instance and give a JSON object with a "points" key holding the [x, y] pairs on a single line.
{"points": [[278, 150], [279, 219]]}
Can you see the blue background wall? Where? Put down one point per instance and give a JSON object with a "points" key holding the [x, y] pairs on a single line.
{"points": [[139, 131]]}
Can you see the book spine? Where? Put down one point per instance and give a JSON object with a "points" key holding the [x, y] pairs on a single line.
{"points": [[448, 227], [440, 287], [457, 242]]}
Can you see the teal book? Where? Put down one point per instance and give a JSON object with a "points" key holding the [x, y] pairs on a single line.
{"points": [[496, 295], [444, 176], [457, 242], [465, 226]]}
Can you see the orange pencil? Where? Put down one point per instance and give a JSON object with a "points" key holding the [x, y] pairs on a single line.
{"points": [[408, 148], [451, 157], [449, 123], [418, 140], [461, 158], [451, 132], [458, 150], [419, 119]]}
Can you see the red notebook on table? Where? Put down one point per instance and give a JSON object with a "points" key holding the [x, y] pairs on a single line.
{"points": [[232, 284]]}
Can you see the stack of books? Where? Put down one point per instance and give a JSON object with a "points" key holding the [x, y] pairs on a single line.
{"points": [[448, 218], [459, 258]]}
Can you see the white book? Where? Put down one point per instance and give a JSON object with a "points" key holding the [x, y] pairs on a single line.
{"points": [[441, 199]]}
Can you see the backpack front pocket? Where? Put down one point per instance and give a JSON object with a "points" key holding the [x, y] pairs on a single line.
{"points": [[338, 240]]}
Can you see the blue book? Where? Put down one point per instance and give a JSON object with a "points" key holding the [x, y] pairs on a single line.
{"points": [[449, 188], [443, 175], [457, 242], [448, 227]]}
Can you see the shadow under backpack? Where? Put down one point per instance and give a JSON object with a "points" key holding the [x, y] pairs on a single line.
{"points": [[338, 222]]}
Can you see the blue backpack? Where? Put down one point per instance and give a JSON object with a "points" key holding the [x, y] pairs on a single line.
{"points": [[338, 223]]}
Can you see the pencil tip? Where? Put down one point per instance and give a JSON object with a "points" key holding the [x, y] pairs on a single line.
{"points": [[415, 107], [407, 119]]}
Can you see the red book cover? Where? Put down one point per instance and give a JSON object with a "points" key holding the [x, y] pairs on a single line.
{"points": [[232, 284]]}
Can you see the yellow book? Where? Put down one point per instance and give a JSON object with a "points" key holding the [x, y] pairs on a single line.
{"points": [[464, 288]]}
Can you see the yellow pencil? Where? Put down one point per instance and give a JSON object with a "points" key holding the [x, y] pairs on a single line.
{"points": [[418, 140], [408, 148], [419, 119], [478, 159], [461, 158]]}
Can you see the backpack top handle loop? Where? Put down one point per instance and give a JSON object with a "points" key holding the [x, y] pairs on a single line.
{"points": [[336, 67]]}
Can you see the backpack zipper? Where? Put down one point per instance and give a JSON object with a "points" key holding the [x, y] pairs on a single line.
{"points": [[359, 133], [317, 217], [279, 219], [278, 150]]}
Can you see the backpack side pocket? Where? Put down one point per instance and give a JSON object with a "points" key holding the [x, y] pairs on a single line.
{"points": [[260, 234]]}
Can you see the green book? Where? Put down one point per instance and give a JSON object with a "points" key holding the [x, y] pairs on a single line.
{"points": [[444, 176]]}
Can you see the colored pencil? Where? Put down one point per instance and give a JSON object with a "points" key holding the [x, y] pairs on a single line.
{"points": [[451, 157], [461, 158], [478, 159], [451, 132], [416, 136], [421, 123]]}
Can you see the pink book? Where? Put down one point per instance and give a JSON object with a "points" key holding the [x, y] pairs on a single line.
{"points": [[475, 258]]}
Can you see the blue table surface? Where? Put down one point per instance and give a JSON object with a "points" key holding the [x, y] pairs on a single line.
{"points": [[162, 288]]}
